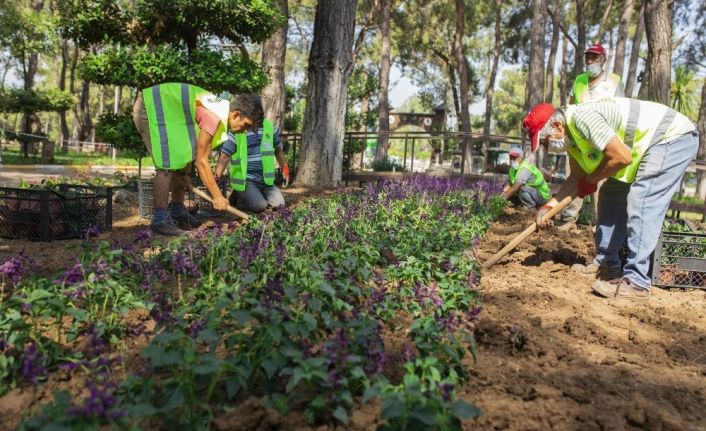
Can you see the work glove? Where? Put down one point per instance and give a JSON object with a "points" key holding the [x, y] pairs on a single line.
{"points": [[543, 210], [586, 188], [285, 174]]}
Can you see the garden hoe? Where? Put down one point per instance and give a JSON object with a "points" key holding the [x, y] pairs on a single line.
{"points": [[230, 209], [524, 234]]}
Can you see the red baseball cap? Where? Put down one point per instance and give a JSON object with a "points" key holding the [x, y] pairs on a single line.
{"points": [[535, 119], [596, 49]]}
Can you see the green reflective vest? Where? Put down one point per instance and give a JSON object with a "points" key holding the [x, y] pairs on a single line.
{"points": [[581, 86], [239, 161], [171, 114], [638, 132], [538, 183]]}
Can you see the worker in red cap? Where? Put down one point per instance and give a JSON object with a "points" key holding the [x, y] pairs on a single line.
{"points": [[596, 83], [642, 149], [525, 183]]}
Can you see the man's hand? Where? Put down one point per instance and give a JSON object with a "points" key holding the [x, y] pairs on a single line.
{"points": [[285, 174], [585, 188], [506, 188], [539, 217], [220, 203]]}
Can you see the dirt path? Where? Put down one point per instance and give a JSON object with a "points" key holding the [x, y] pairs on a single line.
{"points": [[554, 356]]}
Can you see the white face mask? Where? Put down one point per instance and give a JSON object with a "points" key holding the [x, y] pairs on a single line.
{"points": [[556, 146], [594, 69], [515, 164]]}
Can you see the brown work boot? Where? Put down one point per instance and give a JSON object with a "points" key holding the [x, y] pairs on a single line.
{"points": [[620, 288], [600, 272]]}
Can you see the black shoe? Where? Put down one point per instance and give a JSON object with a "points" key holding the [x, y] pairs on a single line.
{"points": [[167, 227], [186, 221]]}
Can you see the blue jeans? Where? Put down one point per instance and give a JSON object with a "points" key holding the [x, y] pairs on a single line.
{"points": [[636, 211], [256, 197]]}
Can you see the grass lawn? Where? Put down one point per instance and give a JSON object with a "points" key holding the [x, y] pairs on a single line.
{"points": [[12, 156]]}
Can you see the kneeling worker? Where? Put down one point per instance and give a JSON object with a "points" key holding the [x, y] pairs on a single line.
{"points": [[526, 185]]}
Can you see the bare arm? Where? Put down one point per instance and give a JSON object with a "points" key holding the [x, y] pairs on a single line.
{"points": [[510, 192], [616, 156], [221, 165], [203, 148]]}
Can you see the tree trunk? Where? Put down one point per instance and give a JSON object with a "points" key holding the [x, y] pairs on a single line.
{"points": [[635, 52], [563, 90], [535, 74], [658, 27], [463, 76], [701, 155], [330, 63], [625, 19], [357, 161], [30, 121], [454, 90], [580, 37], [62, 86], [602, 23], [489, 91], [274, 51], [383, 89], [549, 82], [83, 124]]}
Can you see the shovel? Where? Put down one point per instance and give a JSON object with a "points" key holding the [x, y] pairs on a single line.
{"points": [[525, 233], [230, 209]]}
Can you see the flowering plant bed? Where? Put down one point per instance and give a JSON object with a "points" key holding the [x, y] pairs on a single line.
{"points": [[344, 301]]}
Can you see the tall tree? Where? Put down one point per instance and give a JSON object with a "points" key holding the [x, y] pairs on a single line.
{"points": [[701, 155], [658, 26], [635, 52], [625, 18], [274, 52], [493, 68], [535, 71], [330, 65], [563, 75], [461, 64], [64, 139], [383, 90], [580, 36], [551, 62]]}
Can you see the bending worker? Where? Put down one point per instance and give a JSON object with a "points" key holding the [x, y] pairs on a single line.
{"points": [[526, 185], [181, 124], [642, 149]]}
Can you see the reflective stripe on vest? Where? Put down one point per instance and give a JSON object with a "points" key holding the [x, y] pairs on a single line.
{"points": [[172, 124], [581, 87], [538, 183], [239, 161], [589, 157]]}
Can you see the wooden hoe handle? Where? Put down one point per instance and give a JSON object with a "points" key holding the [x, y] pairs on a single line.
{"points": [[230, 209], [525, 233]]}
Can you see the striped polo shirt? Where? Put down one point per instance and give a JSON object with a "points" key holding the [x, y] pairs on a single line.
{"points": [[254, 158], [600, 121]]}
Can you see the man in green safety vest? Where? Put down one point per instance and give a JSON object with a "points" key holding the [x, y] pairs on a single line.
{"points": [[526, 185], [180, 124], [642, 149], [252, 170]]}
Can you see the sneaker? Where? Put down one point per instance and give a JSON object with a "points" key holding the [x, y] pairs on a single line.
{"points": [[597, 271], [167, 227], [620, 288], [186, 221]]}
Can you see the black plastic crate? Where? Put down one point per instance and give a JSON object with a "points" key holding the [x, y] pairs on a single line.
{"points": [[205, 208], [65, 212], [679, 260]]}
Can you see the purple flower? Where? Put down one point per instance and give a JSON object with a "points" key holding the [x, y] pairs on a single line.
{"points": [[93, 230], [72, 276], [3, 344], [446, 389], [408, 353], [17, 267], [32, 363]]}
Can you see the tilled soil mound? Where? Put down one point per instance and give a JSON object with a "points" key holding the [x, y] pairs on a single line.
{"points": [[554, 356]]}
